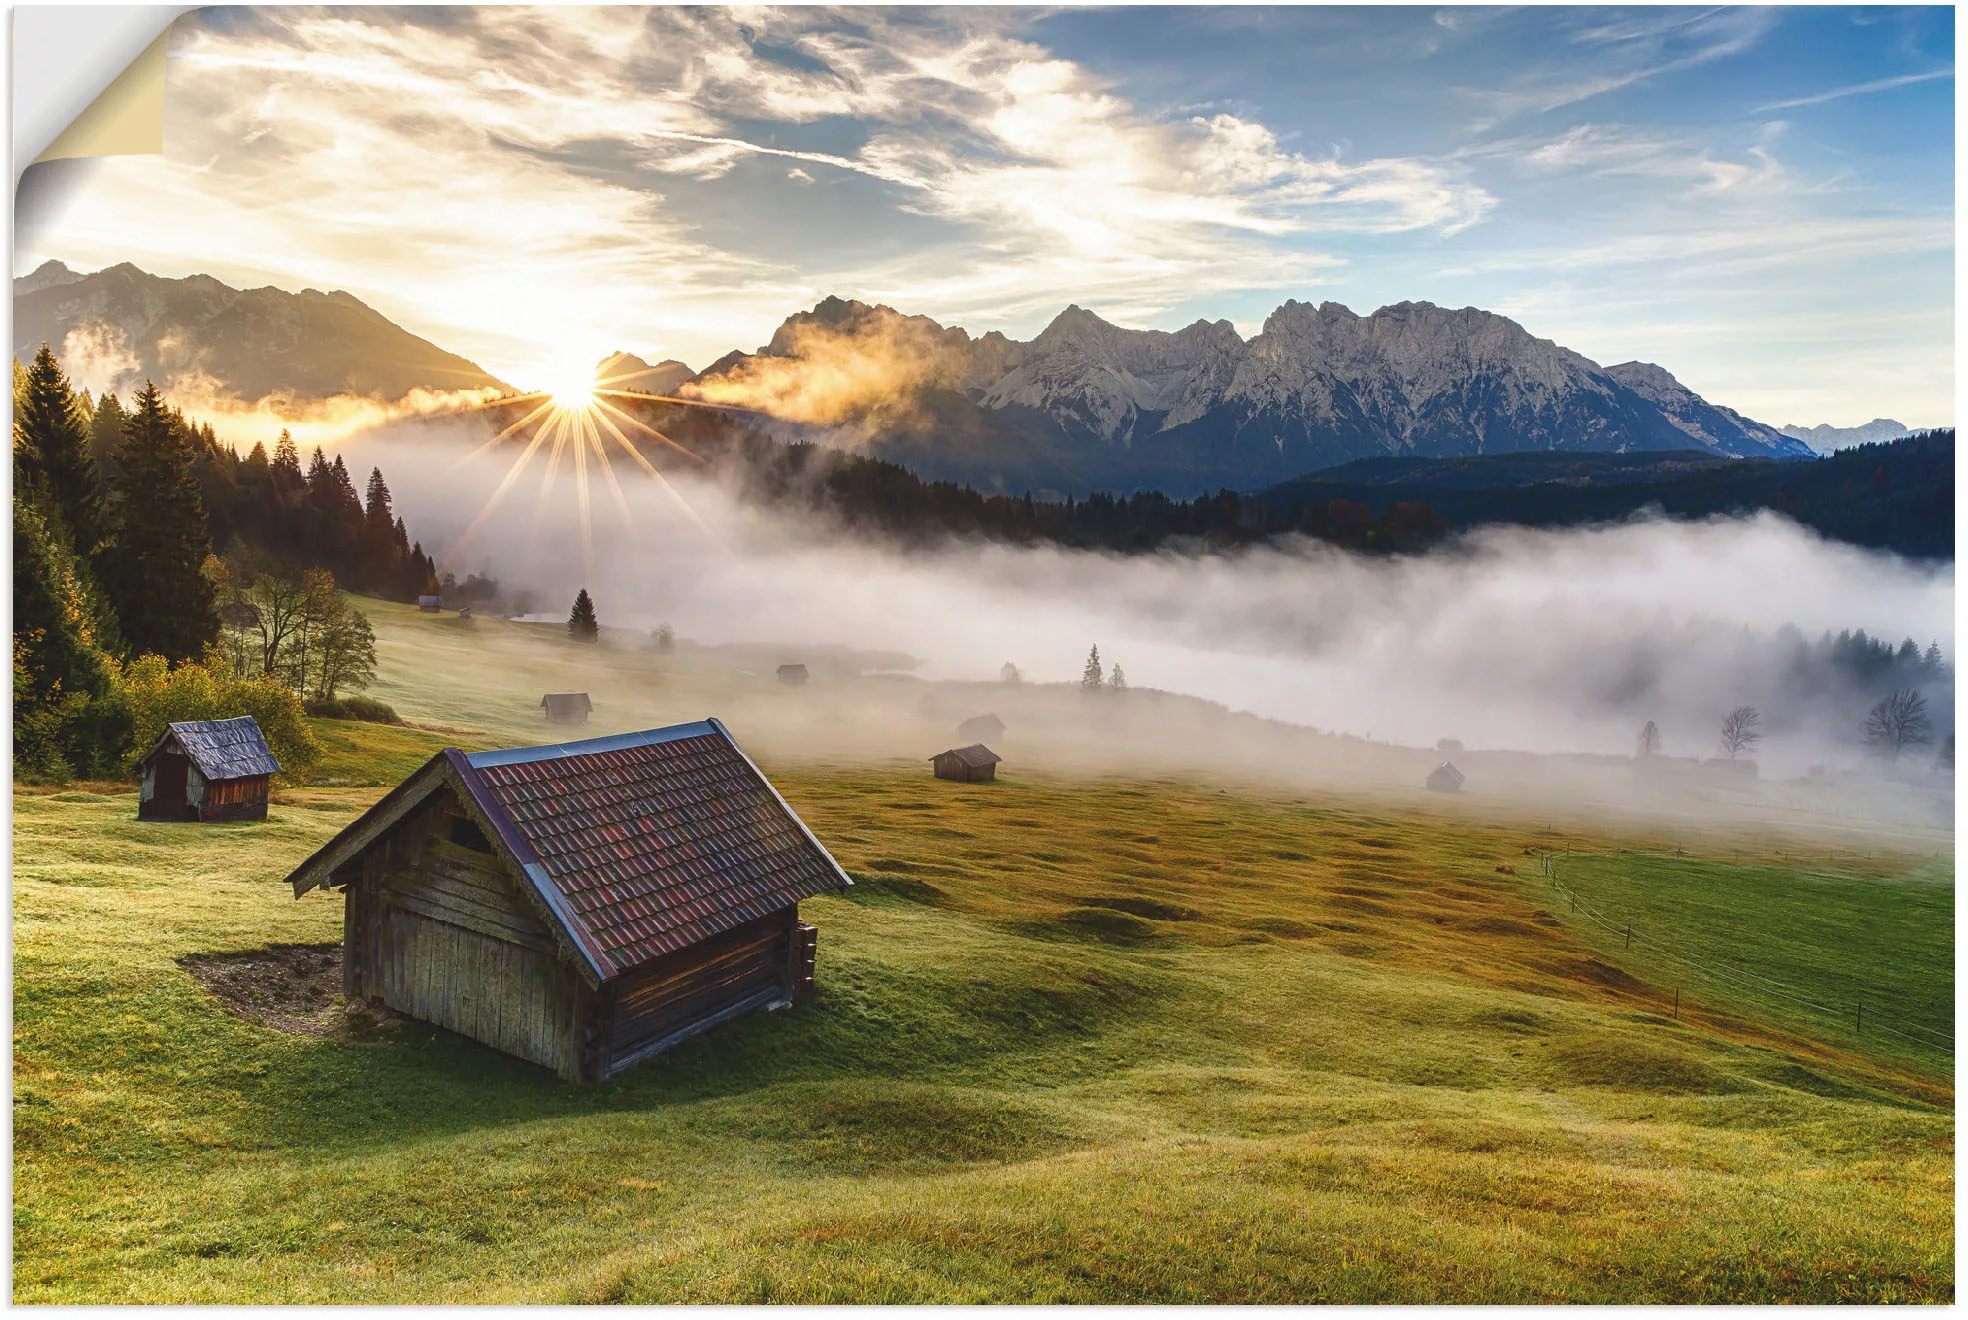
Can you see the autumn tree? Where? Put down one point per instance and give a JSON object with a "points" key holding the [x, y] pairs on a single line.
{"points": [[1117, 681]]}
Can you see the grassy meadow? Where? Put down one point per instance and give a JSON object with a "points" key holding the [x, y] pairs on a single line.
{"points": [[1074, 1038]]}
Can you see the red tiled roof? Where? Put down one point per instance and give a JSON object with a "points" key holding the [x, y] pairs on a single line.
{"points": [[652, 841]]}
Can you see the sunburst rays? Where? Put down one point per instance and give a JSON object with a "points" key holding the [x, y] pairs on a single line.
{"points": [[575, 419]]}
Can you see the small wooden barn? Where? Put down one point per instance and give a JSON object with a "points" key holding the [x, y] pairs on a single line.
{"points": [[208, 770], [566, 707], [430, 604], [793, 675], [1445, 778], [980, 727], [973, 764], [585, 906]]}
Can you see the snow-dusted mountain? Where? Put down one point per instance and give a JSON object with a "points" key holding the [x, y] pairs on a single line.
{"points": [[1826, 439], [1087, 403]]}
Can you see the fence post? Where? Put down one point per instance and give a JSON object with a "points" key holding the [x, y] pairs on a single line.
{"points": [[1629, 934], [1677, 1003], [1859, 1025]]}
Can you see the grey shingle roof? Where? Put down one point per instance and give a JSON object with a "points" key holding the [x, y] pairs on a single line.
{"points": [[225, 749], [974, 756]]}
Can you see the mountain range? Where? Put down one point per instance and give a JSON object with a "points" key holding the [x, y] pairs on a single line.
{"points": [[1084, 405], [1829, 439], [120, 326], [1087, 404]]}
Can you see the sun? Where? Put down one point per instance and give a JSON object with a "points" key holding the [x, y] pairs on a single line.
{"points": [[572, 388]]}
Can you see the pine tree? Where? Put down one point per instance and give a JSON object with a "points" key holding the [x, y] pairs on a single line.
{"points": [[581, 623], [1650, 739], [106, 429], [53, 444], [1092, 677], [152, 568], [287, 463], [376, 512]]}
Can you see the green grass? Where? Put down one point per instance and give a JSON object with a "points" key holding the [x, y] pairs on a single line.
{"points": [[1073, 1039], [1108, 1041], [1803, 944]]}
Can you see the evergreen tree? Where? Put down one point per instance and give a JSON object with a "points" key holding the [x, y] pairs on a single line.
{"points": [[152, 568], [53, 443], [1117, 681], [376, 512], [581, 623], [287, 463], [106, 429], [1650, 739], [1091, 677], [67, 716]]}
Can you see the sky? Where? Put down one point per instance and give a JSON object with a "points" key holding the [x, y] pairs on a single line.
{"points": [[1760, 200]]}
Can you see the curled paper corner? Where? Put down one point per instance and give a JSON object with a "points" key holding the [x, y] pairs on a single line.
{"points": [[127, 119]]}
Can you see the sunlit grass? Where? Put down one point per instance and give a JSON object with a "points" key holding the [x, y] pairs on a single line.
{"points": [[1117, 1040]]}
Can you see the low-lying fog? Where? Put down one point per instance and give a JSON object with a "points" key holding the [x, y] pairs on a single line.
{"points": [[1547, 641]]}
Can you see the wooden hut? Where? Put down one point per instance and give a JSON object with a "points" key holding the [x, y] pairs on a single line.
{"points": [[430, 604], [208, 770], [980, 727], [566, 707], [792, 675], [585, 906], [1445, 778], [973, 764]]}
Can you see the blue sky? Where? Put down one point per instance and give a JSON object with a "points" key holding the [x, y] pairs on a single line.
{"points": [[1760, 200]]}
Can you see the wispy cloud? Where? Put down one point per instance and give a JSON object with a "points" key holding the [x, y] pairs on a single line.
{"points": [[1857, 89]]}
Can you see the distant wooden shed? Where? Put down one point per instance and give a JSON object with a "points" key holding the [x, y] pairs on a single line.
{"points": [[430, 604], [1445, 778], [585, 906], [980, 727], [207, 770], [792, 674], [566, 707], [973, 764]]}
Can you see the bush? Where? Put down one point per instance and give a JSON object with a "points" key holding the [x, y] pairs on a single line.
{"points": [[352, 708], [158, 695]]}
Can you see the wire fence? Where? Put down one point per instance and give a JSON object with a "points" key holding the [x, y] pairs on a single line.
{"points": [[1863, 1018]]}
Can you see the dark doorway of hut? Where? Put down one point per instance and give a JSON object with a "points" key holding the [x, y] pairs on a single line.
{"points": [[168, 800]]}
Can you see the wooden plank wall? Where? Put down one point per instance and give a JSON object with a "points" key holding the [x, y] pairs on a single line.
{"points": [[695, 984], [438, 931]]}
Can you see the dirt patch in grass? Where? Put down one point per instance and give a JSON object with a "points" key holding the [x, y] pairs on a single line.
{"points": [[296, 988]]}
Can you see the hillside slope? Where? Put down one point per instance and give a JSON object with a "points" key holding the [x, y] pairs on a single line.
{"points": [[1073, 1040], [127, 325]]}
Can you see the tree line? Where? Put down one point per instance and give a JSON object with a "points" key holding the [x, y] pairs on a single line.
{"points": [[123, 613]]}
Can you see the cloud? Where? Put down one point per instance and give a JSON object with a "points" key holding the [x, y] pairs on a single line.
{"points": [[497, 178], [1857, 89]]}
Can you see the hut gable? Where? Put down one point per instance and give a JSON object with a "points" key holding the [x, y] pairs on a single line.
{"points": [[980, 727], [660, 872], [566, 707], [793, 674], [430, 604], [1445, 778], [973, 763], [207, 770]]}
